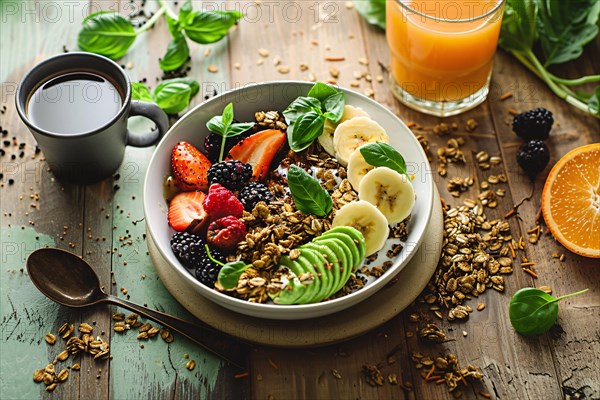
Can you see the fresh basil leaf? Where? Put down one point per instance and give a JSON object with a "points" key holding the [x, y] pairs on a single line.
{"points": [[172, 97], [334, 104], [372, 10], [210, 26], [594, 103], [228, 114], [230, 274], [177, 54], [194, 85], [184, 12], [321, 91], [106, 33], [383, 155], [518, 31], [532, 311], [216, 125], [239, 128], [565, 27], [309, 196], [305, 130], [300, 106], [139, 91], [174, 26]]}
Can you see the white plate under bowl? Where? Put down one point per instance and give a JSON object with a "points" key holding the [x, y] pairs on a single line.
{"points": [[277, 96]]}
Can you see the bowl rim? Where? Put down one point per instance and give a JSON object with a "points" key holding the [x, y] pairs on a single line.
{"points": [[230, 301]]}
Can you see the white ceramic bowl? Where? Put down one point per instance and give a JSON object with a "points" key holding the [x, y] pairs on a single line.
{"points": [[277, 96]]}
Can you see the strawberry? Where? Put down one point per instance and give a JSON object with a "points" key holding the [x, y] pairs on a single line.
{"points": [[186, 212], [258, 150], [225, 233], [189, 167]]}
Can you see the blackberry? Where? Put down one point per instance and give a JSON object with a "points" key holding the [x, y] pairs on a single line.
{"points": [[254, 192], [533, 124], [190, 251], [533, 157], [212, 144], [231, 174]]}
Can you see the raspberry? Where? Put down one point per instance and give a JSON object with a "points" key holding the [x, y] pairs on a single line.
{"points": [[533, 157], [190, 250], [254, 192], [231, 174], [533, 124], [225, 233], [221, 202]]}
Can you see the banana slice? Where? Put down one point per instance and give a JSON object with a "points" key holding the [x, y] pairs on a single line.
{"points": [[326, 138], [355, 132], [367, 219], [357, 168], [391, 192]]}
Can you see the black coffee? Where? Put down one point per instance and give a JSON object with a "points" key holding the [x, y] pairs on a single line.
{"points": [[74, 103]]}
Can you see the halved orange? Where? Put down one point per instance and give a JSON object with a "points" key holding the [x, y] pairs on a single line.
{"points": [[571, 200]]}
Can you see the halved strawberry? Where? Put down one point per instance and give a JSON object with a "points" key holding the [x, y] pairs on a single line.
{"points": [[189, 167], [258, 150], [186, 212]]}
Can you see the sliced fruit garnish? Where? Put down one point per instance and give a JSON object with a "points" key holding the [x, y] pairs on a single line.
{"points": [[355, 132], [391, 192], [357, 168], [326, 138], [189, 167], [571, 201], [187, 213], [258, 150], [368, 220]]}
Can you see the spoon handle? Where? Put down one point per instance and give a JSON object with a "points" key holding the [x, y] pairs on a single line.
{"points": [[219, 343]]}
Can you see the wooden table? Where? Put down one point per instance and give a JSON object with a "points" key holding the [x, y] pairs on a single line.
{"points": [[104, 223]]}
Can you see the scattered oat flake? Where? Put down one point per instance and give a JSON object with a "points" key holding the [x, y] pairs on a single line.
{"points": [[349, 5], [363, 61], [276, 61], [336, 373], [332, 58], [283, 69], [207, 51], [213, 68], [237, 65], [259, 61], [334, 72], [303, 67], [354, 84], [369, 92], [379, 78], [263, 52], [190, 365]]}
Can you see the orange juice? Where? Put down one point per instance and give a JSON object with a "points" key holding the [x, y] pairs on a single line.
{"points": [[442, 50]]}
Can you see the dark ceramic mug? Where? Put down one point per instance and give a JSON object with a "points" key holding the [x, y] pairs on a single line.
{"points": [[95, 152]]}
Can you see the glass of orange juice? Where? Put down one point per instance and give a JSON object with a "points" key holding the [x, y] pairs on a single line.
{"points": [[442, 52]]}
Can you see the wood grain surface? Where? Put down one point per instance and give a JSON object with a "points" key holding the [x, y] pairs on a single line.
{"points": [[104, 224]]}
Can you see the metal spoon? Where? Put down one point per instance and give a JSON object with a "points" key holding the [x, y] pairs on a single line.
{"points": [[69, 280]]}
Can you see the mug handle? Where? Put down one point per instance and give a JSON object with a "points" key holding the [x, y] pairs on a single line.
{"points": [[153, 112]]}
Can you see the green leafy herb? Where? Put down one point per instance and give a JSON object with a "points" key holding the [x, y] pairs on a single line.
{"points": [[372, 10], [223, 126], [210, 26], [306, 116], [230, 272], [561, 28], [172, 95], [309, 196], [383, 155], [177, 53], [106, 33], [139, 91], [110, 34], [533, 311]]}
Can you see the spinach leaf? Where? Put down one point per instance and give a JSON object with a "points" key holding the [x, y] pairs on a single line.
{"points": [[309, 196], [177, 53], [372, 10], [139, 91], [519, 25], [321, 91], [383, 155], [300, 106], [106, 33], [209, 26], [230, 273], [565, 27], [334, 104], [305, 130], [533, 311]]}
